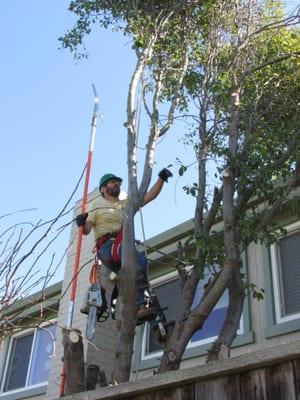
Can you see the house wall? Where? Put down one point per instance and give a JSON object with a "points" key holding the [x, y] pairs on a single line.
{"points": [[30, 309], [101, 349], [260, 331], [256, 313]]}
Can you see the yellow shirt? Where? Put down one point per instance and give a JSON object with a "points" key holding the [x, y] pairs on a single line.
{"points": [[106, 216]]}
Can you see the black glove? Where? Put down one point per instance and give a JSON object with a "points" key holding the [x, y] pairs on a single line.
{"points": [[165, 174], [81, 219]]}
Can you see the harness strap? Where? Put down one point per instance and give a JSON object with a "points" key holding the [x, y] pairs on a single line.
{"points": [[115, 246], [100, 241], [93, 278]]}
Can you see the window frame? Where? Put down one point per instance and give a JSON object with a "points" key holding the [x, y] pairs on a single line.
{"points": [[154, 283], [194, 349], [35, 389], [276, 272], [276, 324]]}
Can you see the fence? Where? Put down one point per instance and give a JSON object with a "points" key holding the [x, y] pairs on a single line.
{"points": [[269, 374]]}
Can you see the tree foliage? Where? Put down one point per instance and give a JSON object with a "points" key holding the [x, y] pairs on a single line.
{"points": [[233, 66], [244, 79]]}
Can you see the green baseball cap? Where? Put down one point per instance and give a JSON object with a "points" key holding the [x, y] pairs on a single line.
{"points": [[107, 177]]}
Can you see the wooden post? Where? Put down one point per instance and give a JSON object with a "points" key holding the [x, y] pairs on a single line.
{"points": [[102, 379], [92, 374], [73, 361]]}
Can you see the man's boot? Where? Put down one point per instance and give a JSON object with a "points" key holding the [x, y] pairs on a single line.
{"points": [[149, 310], [145, 313], [163, 330]]}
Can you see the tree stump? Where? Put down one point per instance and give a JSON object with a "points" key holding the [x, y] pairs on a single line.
{"points": [[73, 361]]}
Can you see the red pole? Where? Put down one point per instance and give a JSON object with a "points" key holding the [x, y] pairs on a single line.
{"points": [[79, 240], [80, 229]]}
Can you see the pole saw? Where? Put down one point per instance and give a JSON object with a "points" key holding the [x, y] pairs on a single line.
{"points": [[83, 208], [80, 229]]}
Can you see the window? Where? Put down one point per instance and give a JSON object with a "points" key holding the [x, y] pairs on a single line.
{"points": [[285, 259], [28, 359], [167, 292], [215, 320]]}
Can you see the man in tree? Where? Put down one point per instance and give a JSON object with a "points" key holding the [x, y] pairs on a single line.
{"points": [[106, 218]]}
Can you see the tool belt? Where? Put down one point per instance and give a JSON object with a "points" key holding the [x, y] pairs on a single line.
{"points": [[115, 246]]}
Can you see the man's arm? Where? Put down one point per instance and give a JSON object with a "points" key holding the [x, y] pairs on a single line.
{"points": [[153, 192], [81, 220], [87, 228], [163, 177]]}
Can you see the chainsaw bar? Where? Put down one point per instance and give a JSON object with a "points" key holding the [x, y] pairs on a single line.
{"points": [[94, 301], [91, 322]]}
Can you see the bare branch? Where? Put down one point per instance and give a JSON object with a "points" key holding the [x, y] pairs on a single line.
{"points": [[271, 62]]}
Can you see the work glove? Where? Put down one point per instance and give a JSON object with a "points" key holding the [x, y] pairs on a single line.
{"points": [[165, 174], [81, 219]]}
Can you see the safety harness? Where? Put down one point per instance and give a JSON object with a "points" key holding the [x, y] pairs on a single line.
{"points": [[150, 299], [115, 246], [116, 258]]}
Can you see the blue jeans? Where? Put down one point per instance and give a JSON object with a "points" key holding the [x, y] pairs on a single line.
{"points": [[104, 254]]}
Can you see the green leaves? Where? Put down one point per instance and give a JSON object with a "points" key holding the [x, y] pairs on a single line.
{"points": [[182, 170], [192, 190], [256, 292]]}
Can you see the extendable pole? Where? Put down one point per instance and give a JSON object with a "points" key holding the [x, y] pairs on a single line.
{"points": [[80, 229]]}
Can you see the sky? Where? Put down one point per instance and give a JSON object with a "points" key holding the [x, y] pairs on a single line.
{"points": [[46, 104]]}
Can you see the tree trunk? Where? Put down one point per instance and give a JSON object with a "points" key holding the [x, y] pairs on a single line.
{"points": [[232, 255], [73, 361], [174, 350], [190, 321], [126, 302], [220, 349], [176, 344]]}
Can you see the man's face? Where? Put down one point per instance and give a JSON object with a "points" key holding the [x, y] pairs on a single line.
{"points": [[112, 188]]}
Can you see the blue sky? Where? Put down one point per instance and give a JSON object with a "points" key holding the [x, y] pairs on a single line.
{"points": [[46, 107], [46, 104]]}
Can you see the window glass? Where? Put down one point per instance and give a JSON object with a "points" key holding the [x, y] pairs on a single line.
{"points": [[43, 349], [168, 294], [28, 360], [19, 362], [215, 320], [289, 273]]}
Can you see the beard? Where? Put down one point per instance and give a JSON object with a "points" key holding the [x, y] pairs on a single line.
{"points": [[114, 191]]}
